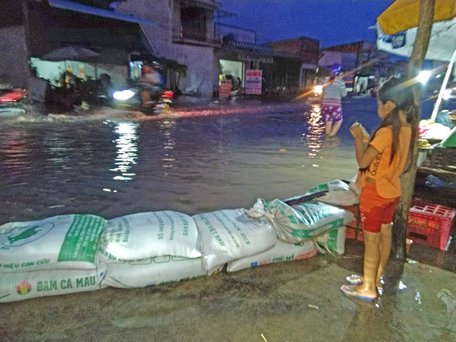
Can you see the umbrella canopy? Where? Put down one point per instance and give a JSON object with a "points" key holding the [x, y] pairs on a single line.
{"points": [[397, 27], [442, 42], [73, 53], [404, 14]]}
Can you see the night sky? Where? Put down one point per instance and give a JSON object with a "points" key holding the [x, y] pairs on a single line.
{"points": [[330, 21]]}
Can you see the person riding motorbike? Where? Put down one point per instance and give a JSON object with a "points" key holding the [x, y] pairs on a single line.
{"points": [[151, 81]]}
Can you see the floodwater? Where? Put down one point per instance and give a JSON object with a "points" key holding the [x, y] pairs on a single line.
{"points": [[190, 161], [194, 160]]}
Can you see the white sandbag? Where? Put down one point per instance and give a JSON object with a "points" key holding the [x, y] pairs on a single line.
{"points": [[152, 271], [280, 252], [16, 286], [149, 234], [302, 221], [230, 234], [333, 240], [338, 193], [65, 241]]}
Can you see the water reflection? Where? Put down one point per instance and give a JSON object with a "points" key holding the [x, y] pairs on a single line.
{"points": [[126, 145], [14, 149], [168, 143], [57, 147], [314, 137]]}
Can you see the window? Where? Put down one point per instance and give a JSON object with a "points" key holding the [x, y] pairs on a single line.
{"points": [[193, 22]]}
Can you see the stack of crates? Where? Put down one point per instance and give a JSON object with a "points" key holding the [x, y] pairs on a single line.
{"points": [[430, 224]]}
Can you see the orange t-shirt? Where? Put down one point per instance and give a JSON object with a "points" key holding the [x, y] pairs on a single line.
{"points": [[386, 175]]}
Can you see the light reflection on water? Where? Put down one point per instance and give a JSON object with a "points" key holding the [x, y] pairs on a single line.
{"points": [[314, 137], [126, 149]]}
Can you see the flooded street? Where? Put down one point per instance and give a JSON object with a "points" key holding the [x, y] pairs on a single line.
{"points": [[190, 163], [196, 160]]}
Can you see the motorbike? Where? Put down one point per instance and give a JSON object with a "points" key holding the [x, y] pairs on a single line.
{"points": [[144, 98], [11, 101]]}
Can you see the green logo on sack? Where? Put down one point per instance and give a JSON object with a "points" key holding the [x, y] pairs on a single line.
{"points": [[23, 235]]}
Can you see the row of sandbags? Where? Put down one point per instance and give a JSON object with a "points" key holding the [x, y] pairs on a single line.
{"points": [[74, 253]]}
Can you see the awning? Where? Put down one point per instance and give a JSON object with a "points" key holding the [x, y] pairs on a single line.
{"points": [[76, 7]]}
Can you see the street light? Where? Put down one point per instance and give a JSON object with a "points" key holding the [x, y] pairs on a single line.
{"points": [[423, 76]]}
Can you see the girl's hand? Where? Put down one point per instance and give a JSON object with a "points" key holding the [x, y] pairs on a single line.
{"points": [[359, 132], [356, 131]]}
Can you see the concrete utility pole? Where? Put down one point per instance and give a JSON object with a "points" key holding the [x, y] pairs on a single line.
{"points": [[408, 179]]}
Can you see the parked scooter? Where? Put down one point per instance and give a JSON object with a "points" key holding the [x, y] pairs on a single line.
{"points": [[11, 101]]}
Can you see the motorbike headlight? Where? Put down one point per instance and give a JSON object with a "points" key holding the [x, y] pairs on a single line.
{"points": [[318, 89], [123, 95]]}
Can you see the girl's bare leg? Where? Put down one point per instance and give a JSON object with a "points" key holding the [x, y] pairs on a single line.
{"points": [[335, 128], [385, 250], [328, 128], [371, 265]]}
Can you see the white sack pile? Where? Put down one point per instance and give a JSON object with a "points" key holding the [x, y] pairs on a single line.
{"points": [[75, 253]]}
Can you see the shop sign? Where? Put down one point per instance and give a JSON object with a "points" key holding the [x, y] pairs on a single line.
{"points": [[225, 88], [253, 82]]}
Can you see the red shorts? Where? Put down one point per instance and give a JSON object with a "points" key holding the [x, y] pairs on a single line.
{"points": [[375, 210]]}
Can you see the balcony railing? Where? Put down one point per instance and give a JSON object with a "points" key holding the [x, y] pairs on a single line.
{"points": [[194, 37]]}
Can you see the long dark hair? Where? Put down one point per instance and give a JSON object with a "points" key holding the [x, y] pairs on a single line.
{"points": [[399, 91]]}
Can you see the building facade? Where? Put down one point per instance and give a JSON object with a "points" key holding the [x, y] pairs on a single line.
{"points": [[31, 29], [184, 32]]}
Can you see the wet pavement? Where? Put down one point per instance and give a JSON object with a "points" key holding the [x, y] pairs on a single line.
{"points": [[290, 301], [244, 157]]}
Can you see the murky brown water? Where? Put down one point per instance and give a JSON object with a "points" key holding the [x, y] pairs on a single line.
{"points": [[112, 164]]}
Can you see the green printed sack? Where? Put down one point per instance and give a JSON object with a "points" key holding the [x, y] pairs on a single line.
{"points": [[333, 240], [304, 221], [65, 241]]}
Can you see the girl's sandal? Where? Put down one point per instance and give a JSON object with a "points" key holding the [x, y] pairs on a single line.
{"points": [[349, 291], [356, 279]]}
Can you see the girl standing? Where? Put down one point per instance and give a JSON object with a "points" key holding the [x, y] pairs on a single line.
{"points": [[381, 163]]}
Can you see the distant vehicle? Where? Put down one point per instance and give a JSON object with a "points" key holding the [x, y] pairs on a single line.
{"points": [[11, 101]]}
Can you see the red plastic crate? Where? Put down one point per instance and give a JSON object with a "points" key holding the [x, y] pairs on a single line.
{"points": [[352, 233], [430, 224], [354, 230]]}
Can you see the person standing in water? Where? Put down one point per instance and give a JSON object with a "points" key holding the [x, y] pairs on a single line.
{"points": [[331, 108], [382, 160]]}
